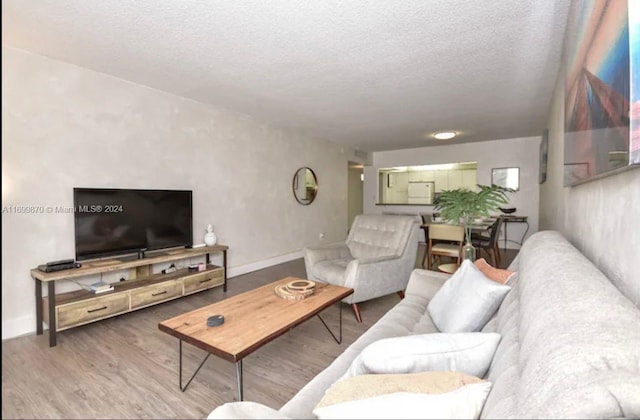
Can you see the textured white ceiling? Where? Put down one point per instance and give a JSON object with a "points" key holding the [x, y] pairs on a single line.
{"points": [[374, 75]]}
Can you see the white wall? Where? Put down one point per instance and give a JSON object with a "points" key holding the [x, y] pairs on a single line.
{"points": [[552, 195], [355, 194], [601, 217], [66, 126], [520, 152]]}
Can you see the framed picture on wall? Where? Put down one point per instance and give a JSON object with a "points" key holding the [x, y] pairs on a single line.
{"points": [[506, 178], [574, 172], [601, 94], [544, 155]]}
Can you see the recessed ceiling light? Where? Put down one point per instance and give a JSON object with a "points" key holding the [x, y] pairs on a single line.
{"points": [[444, 135]]}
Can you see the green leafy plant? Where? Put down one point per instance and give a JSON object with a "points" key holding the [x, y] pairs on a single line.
{"points": [[463, 205]]}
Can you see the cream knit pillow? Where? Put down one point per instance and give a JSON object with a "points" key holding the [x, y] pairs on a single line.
{"points": [[418, 395]]}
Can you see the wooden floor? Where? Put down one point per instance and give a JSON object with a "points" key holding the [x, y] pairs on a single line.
{"points": [[124, 367]]}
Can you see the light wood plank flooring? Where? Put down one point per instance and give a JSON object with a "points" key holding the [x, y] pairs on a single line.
{"points": [[124, 367]]}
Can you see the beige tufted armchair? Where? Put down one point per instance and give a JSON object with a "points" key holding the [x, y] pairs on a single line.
{"points": [[375, 260]]}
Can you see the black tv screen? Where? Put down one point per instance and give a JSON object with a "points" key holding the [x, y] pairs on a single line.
{"points": [[112, 222]]}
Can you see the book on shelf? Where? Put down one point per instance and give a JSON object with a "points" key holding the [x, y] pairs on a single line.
{"points": [[108, 289], [100, 287]]}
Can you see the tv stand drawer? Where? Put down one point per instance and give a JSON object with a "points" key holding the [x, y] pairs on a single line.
{"points": [[156, 293], [82, 312], [203, 281]]}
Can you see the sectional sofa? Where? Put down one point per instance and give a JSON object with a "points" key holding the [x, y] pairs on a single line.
{"points": [[569, 348]]}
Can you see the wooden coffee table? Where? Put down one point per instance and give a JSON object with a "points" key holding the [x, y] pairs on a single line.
{"points": [[252, 319]]}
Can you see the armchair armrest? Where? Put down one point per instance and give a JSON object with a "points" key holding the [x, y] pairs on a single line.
{"points": [[373, 260], [245, 410], [314, 255]]}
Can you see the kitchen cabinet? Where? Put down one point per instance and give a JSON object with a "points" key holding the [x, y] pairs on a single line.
{"points": [[421, 176], [469, 179], [455, 179], [441, 180]]}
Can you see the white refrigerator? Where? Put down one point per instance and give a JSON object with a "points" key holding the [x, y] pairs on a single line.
{"points": [[421, 192]]}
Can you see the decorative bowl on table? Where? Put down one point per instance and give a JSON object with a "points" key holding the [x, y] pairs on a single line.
{"points": [[296, 290], [507, 210]]}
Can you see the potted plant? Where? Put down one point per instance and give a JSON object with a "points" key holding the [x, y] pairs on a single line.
{"points": [[463, 206]]}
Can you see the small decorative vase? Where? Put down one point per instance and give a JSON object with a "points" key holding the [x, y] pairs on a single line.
{"points": [[469, 252], [210, 238]]}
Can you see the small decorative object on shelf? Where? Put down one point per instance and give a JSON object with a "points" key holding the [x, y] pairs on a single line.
{"points": [[296, 290], [210, 238]]}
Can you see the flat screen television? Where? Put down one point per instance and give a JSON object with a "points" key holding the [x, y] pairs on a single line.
{"points": [[110, 222]]}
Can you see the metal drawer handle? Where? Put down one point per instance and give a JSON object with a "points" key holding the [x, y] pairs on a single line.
{"points": [[96, 310], [158, 294], [204, 281]]}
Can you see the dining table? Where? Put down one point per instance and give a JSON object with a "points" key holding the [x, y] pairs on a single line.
{"points": [[512, 218], [476, 226]]}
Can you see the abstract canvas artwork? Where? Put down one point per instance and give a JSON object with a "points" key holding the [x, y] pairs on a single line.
{"points": [[634, 46], [598, 99]]}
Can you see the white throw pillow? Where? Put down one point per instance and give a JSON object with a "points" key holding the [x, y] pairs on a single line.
{"points": [[466, 301], [470, 353], [463, 403]]}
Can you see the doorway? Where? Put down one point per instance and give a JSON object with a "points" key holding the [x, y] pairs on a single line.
{"points": [[354, 192]]}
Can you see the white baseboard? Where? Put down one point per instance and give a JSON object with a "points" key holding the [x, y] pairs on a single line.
{"points": [[259, 265], [26, 325]]}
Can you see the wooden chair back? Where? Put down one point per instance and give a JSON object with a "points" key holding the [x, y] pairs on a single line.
{"points": [[444, 232], [450, 239]]}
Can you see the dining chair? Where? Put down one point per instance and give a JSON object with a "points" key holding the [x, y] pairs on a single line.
{"points": [[489, 244], [454, 237], [426, 219]]}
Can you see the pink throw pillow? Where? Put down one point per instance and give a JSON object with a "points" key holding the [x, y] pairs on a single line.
{"points": [[496, 274]]}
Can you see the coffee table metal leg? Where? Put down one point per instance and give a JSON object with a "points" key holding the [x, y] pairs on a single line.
{"points": [[338, 340], [195, 373], [239, 376]]}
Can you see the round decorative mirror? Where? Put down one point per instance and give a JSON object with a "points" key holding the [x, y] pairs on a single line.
{"points": [[305, 186]]}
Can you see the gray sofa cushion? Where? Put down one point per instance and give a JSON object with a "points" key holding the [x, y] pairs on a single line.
{"points": [[571, 341]]}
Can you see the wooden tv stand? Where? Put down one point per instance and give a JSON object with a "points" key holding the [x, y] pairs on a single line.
{"points": [[79, 307]]}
